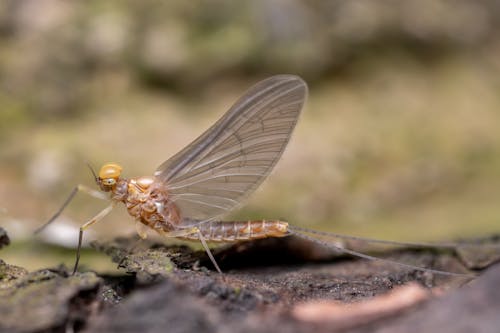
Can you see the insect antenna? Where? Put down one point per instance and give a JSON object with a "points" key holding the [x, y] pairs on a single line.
{"points": [[92, 170]]}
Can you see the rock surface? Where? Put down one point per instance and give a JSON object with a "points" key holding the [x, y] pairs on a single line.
{"points": [[174, 288]]}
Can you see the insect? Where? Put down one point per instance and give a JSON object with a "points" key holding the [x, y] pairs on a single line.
{"points": [[189, 193]]}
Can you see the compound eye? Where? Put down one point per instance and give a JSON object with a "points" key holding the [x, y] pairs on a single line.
{"points": [[109, 181], [110, 170]]}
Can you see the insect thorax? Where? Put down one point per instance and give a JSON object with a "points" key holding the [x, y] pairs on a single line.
{"points": [[148, 201]]}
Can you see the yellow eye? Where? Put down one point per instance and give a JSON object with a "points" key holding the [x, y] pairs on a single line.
{"points": [[110, 170]]}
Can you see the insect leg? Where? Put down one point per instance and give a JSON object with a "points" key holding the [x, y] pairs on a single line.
{"points": [[190, 231], [141, 229], [142, 235], [80, 187], [87, 224], [207, 250]]}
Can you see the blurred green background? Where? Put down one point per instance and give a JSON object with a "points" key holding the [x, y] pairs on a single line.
{"points": [[400, 138]]}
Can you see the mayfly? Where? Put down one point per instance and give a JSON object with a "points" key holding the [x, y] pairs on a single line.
{"points": [[187, 194]]}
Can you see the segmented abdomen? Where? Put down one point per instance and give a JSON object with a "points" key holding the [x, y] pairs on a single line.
{"points": [[232, 231]]}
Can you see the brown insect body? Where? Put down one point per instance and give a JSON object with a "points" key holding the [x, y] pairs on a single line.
{"points": [[148, 201], [232, 231], [210, 177]]}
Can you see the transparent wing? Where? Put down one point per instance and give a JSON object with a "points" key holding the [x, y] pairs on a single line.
{"points": [[226, 163]]}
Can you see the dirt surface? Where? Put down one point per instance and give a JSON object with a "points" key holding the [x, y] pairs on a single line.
{"points": [[279, 284]]}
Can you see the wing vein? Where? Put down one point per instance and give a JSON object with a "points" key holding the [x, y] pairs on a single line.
{"points": [[214, 173]]}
